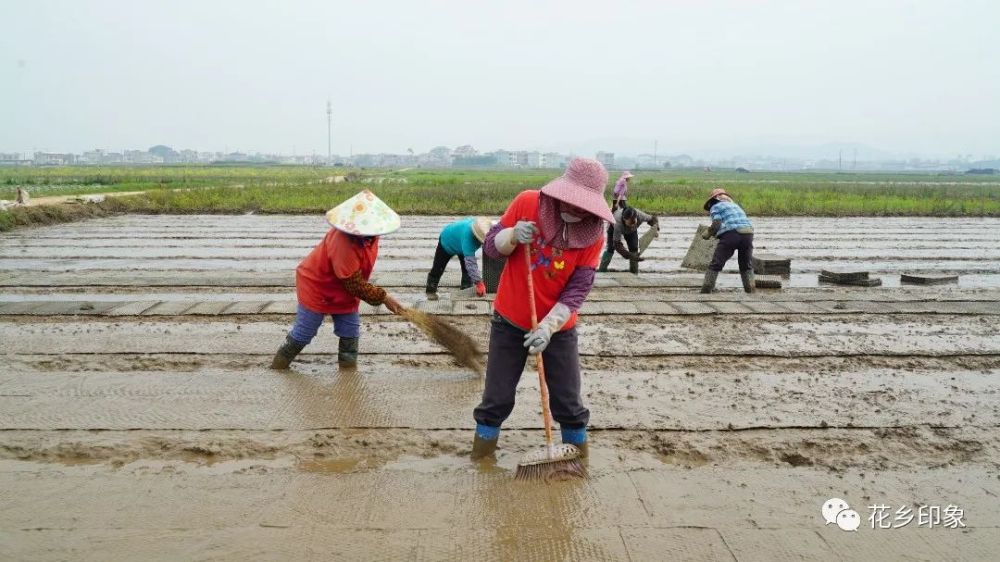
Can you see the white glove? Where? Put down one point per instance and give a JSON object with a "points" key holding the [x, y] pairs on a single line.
{"points": [[538, 339], [524, 232], [507, 239]]}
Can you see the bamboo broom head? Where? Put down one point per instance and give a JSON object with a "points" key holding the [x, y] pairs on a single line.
{"points": [[462, 347]]}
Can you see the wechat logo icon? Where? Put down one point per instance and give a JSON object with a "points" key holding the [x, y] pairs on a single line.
{"points": [[836, 510]]}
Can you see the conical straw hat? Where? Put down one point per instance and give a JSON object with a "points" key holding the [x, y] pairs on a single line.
{"points": [[363, 215]]}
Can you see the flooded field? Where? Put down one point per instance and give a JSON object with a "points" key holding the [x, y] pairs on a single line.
{"points": [[140, 421]]}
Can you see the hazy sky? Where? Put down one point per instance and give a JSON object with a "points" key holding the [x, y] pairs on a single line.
{"points": [[920, 77]]}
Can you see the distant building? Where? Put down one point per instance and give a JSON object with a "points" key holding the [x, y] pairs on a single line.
{"points": [[364, 160], [100, 156], [9, 159], [483, 161], [54, 159], [504, 158], [391, 160], [140, 157], [92, 157], [553, 160], [606, 158]]}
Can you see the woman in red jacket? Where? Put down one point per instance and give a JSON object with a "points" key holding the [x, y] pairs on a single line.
{"points": [[333, 278]]}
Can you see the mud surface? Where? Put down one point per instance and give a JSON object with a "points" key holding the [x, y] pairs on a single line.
{"points": [[139, 420]]}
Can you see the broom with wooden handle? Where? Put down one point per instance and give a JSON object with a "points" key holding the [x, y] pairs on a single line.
{"points": [[552, 460]]}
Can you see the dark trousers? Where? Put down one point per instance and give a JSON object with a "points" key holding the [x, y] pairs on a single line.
{"points": [[730, 242], [441, 258], [631, 240], [505, 363]]}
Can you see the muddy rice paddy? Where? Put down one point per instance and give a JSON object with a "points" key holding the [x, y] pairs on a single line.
{"points": [[140, 421]]}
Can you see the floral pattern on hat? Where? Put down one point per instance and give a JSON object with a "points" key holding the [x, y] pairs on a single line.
{"points": [[363, 215]]}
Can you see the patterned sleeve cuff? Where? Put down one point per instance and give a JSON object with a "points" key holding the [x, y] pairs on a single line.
{"points": [[358, 287]]}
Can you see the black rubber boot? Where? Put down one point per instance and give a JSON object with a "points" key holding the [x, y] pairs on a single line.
{"points": [[605, 260], [432, 287], [286, 353], [633, 267], [347, 352], [482, 448], [708, 285], [748, 280]]}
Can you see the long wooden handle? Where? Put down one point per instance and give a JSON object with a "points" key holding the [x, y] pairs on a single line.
{"points": [[546, 415]]}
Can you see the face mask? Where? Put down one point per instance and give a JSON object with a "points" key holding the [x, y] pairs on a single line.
{"points": [[566, 217]]}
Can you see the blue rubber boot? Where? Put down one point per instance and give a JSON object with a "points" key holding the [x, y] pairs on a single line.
{"points": [[576, 436], [485, 442]]}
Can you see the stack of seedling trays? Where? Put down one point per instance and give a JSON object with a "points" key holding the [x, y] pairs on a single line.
{"points": [[928, 279], [768, 264], [848, 277]]}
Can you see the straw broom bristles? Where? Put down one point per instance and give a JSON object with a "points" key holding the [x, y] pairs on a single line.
{"points": [[462, 347]]}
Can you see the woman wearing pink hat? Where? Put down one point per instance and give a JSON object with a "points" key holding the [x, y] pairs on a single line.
{"points": [[620, 194], [562, 227]]}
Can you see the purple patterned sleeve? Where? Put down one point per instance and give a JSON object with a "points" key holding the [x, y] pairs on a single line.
{"points": [[577, 288], [489, 245], [472, 266]]}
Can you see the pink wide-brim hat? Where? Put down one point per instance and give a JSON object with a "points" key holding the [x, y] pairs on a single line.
{"points": [[627, 175], [582, 185]]}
